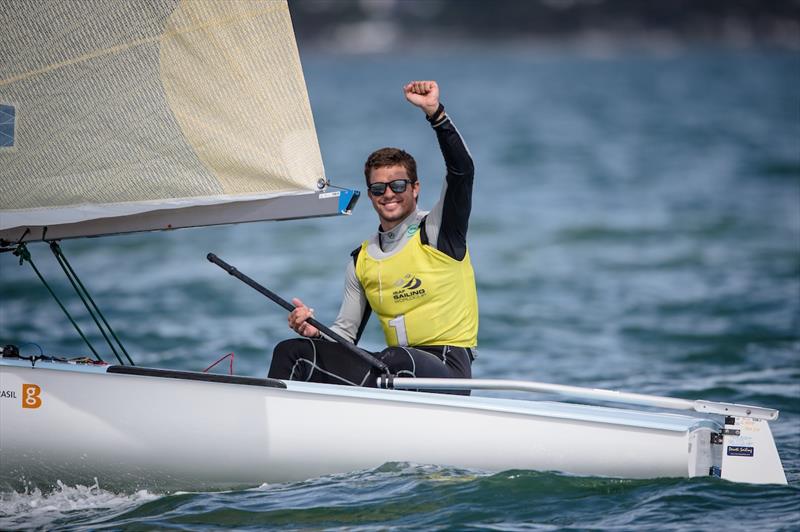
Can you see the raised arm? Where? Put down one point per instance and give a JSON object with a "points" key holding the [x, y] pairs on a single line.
{"points": [[447, 223]]}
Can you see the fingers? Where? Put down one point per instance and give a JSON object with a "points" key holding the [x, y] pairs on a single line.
{"points": [[420, 87], [299, 316], [308, 330], [297, 319]]}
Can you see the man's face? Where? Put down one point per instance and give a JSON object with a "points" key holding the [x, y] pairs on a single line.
{"points": [[393, 207]]}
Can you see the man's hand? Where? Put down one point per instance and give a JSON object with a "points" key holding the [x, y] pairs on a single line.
{"points": [[298, 317], [423, 94]]}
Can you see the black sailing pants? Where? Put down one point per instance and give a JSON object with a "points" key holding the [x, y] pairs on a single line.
{"points": [[318, 360]]}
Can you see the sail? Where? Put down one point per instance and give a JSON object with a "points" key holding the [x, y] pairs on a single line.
{"points": [[120, 116]]}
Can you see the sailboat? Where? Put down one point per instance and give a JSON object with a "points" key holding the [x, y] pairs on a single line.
{"points": [[119, 117]]}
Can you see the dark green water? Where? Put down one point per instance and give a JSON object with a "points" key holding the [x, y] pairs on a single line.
{"points": [[636, 226]]}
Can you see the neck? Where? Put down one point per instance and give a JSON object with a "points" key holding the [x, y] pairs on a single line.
{"points": [[387, 226], [388, 238]]}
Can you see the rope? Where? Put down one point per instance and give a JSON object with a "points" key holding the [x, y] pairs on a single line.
{"points": [[70, 273], [230, 369], [25, 255]]}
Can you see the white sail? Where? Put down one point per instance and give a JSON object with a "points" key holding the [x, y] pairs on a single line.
{"points": [[120, 116]]}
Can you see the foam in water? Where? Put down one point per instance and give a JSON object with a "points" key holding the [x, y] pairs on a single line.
{"points": [[34, 509]]}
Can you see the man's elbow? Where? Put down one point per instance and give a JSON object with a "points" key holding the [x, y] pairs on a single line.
{"points": [[469, 171], [465, 170]]}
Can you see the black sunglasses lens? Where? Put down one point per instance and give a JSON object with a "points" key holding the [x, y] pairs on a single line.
{"points": [[398, 185], [377, 189]]}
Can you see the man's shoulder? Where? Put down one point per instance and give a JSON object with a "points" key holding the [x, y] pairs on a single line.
{"points": [[372, 240], [355, 253]]}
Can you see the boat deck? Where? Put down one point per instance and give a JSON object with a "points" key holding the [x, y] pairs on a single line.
{"points": [[546, 409]]}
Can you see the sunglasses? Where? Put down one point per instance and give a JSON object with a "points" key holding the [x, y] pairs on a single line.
{"points": [[398, 186]]}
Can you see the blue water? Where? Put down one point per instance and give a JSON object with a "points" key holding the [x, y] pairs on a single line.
{"points": [[636, 226]]}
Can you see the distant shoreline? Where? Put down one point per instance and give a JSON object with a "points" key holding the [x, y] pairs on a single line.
{"points": [[374, 26], [589, 44]]}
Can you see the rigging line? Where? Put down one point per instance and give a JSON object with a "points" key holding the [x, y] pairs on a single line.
{"points": [[41, 353], [25, 255], [97, 309], [14, 245], [55, 248]]}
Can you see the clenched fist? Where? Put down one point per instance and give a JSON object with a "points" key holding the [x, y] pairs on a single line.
{"points": [[423, 94]]}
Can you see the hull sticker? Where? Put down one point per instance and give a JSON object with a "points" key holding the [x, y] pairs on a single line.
{"points": [[740, 450], [30, 396]]}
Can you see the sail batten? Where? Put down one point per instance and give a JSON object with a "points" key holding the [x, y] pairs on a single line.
{"points": [[122, 109]]}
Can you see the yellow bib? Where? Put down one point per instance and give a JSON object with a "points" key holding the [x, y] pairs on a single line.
{"points": [[421, 295]]}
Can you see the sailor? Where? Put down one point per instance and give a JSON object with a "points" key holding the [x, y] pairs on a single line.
{"points": [[414, 273]]}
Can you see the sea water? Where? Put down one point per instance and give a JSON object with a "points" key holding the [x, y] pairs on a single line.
{"points": [[635, 226]]}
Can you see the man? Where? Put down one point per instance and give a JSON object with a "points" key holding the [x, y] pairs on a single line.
{"points": [[415, 273]]}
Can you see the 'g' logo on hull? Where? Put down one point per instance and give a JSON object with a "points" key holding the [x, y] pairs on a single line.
{"points": [[30, 396]]}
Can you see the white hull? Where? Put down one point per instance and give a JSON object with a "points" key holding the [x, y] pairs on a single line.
{"points": [[135, 431]]}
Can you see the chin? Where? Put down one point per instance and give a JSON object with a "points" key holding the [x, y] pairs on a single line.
{"points": [[392, 217], [395, 216]]}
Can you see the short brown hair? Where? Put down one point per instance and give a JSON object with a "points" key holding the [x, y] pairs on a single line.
{"points": [[391, 157]]}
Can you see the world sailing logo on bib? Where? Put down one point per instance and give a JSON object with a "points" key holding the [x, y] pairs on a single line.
{"points": [[408, 287]]}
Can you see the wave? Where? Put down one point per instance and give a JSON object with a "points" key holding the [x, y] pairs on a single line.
{"points": [[416, 497], [65, 505]]}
